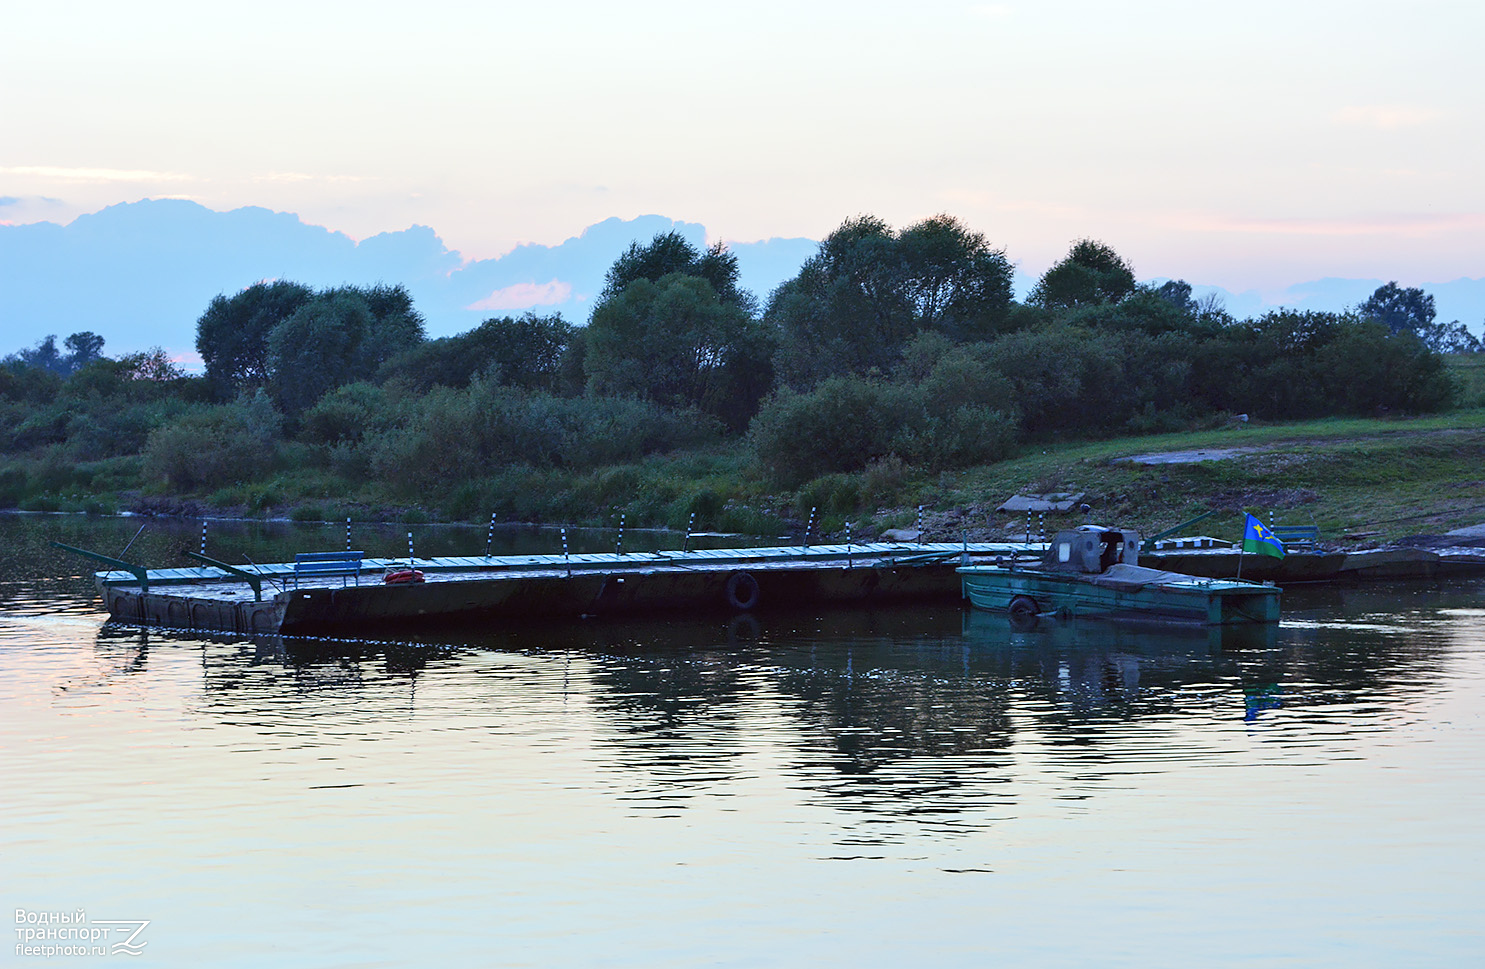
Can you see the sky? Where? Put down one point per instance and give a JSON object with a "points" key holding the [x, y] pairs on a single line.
{"points": [[1249, 146]]}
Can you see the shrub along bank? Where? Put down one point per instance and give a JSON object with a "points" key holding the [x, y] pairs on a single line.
{"points": [[894, 370]]}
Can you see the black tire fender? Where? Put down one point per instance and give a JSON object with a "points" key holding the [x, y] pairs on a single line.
{"points": [[1024, 607], [742, 591]]}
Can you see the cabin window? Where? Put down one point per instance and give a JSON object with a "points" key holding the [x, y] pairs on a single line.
{"points": [[1064, 552]]}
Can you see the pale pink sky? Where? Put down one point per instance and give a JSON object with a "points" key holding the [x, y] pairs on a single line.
{"points": [[1250, 146]]}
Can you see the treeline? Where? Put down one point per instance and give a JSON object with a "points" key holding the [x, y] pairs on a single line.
{"points": [[895, 349]]}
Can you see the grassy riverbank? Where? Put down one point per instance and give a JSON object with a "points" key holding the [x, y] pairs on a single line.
{"points": [[1361, 481]]}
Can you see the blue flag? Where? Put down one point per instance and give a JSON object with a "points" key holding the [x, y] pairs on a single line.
{"points": [[1259, 540]]}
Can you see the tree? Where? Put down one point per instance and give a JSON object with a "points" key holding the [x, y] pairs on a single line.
{"points": [[856, 303], [670, 252], [525, 352], [675, 342], [1449, 338], [1177, 292], [396, 325], [232, 335], [1091, 274], [1398, 308], [44, 356], [846, 312], [82, 349], [336, 338], [957, 283]]}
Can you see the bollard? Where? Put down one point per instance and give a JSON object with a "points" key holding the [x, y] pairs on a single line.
{"points": [[565, 557], [410, 558], [347, 534], [809, 527], [920, 524], [1041, 527], [490, 536], [690, 522], [619, 545], [203, 536], [1028, 526]]}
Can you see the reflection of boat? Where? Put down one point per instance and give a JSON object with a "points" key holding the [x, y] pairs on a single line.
{"points": [[1095, 571], [1151, 638]]}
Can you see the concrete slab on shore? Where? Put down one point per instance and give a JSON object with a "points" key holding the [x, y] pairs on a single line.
{"points": [[1189, 457]]}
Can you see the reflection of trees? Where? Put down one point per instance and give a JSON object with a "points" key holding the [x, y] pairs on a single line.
{"points": [[902, 714], [900, 729], [674, 697]]}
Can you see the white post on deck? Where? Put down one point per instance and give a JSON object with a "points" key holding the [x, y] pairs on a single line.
{"points": [[490, 535]]}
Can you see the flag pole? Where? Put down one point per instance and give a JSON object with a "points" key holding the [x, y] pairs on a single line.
{"points": [[1242, 548]]}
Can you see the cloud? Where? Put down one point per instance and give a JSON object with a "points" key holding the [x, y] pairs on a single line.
{"points": [[991, 11], [308, 177], [524, 296], [1386, 117], [9, 200], [1403, 225], [94, 174]]}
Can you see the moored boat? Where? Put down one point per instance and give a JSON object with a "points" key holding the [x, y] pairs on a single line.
{"points": [[1094, 571]]}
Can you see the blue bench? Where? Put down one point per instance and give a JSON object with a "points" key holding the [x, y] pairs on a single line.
{"points": [[315, 564], [1296, 534]]}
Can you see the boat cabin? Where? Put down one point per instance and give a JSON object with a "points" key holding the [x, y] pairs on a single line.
{"points": [[1091, 549]]}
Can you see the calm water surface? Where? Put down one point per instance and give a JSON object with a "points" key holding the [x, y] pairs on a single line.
{"points": [[852, 788]]}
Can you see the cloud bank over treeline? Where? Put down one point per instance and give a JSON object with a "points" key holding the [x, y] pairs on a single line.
{"points": [[142, 273]]}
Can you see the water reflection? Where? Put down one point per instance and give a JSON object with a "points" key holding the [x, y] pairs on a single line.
{"points": [[505, 789], [907, 714]]}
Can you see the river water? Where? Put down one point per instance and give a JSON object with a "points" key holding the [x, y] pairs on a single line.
{"points": [[893, 787]]}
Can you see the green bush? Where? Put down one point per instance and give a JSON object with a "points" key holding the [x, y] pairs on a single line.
{"points": [[215, 446], [841, 425], [13, 483], [346, 414], [452, 435]]}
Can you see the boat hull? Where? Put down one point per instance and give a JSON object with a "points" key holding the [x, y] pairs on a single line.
{"points": [[1191, 600]]}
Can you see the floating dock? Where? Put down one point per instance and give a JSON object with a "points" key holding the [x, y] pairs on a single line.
{"points": [[492, 589], [1321, 565]]}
